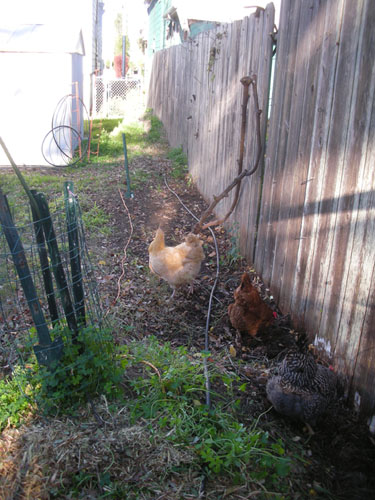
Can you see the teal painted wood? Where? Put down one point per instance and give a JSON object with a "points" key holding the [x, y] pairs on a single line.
{"points": [[157, 27], [74, 252]]}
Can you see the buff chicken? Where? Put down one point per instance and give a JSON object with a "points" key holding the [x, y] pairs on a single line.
{"points": [[249, 313], [177, 265]]}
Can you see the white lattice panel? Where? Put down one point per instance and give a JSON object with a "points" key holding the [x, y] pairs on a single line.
{"points": [[113, 96]]}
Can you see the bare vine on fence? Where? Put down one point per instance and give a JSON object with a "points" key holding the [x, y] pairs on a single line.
{"points": [[236, 183]]}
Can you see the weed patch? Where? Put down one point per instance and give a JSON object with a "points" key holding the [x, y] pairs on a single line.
{"points": [[86, 370], [96, 220], [180, 163], [14, 403], [170, 393]]}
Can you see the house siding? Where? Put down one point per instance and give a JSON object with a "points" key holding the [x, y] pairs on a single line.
{"points": [[156, 33]]}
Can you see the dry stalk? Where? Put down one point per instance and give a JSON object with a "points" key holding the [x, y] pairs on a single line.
{"points": [[156, 371], [236, 183]]}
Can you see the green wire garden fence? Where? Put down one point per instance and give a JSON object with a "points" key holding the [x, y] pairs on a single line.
{"points": [[49, 302]]}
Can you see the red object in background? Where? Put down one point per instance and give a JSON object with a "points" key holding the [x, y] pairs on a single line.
{"points": [[118, 65]]}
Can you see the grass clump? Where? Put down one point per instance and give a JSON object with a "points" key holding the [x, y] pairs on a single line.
{"points": [[108, 137], [154, 396], [108, 134], [14, 403], [180, 163], [170, 393], [96, 220], [85, 370], [233, 255], [156, 132]]}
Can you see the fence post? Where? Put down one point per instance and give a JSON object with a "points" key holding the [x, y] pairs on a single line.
{"points": [[57, 266], [47, 351], [43, 258], [74, 255]]}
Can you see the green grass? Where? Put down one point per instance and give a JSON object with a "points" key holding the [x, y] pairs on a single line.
{"points": [[180, 163], [14, 404], [156, 133], [172, 396], [138, 177], [11, 185], [166, 391], [137, 141], [96, 220]]}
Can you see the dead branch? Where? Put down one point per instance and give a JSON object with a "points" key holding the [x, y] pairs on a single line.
{"points": [[236, 183]]}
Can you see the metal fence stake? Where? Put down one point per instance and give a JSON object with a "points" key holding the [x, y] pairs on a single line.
{"points": [[47, 351]]}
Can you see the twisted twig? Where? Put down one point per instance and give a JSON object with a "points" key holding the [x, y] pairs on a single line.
{"points": [[246, 82]]}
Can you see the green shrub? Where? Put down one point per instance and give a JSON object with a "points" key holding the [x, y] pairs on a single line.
{"points": [[87, 369]]}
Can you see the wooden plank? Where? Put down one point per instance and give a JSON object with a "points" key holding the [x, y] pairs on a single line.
{"points": [[224, 106], [259, 64], [361, 291], [353, 222], [361, 390], [333, 241], [217, 100], [203, 128], [247, 48], [264, 84], [197, 56], [265, 250], [362, 297], [297, 154], [213, 68], [315, 220], [287, 149], [233, 104], [221, 74], [184, 97], [191, 96]]}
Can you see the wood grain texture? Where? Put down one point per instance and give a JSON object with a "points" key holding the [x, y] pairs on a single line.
{"points": [[306, 219]]}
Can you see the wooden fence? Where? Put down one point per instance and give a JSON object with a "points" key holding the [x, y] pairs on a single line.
{"points": [[307, 219], [316, 244], [196, 92]]}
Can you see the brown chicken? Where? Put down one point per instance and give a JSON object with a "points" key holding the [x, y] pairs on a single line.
{"points": [[249, 312], [178, 265]]}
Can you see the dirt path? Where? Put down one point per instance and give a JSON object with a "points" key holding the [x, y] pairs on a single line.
{"points": [[340, 457]]}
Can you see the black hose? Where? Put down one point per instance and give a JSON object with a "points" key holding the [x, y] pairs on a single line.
{"points": [[60, 134]]}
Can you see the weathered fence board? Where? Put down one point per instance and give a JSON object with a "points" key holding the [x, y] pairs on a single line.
{"points": [[307, 217], [316, 237], [206, 115]]}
